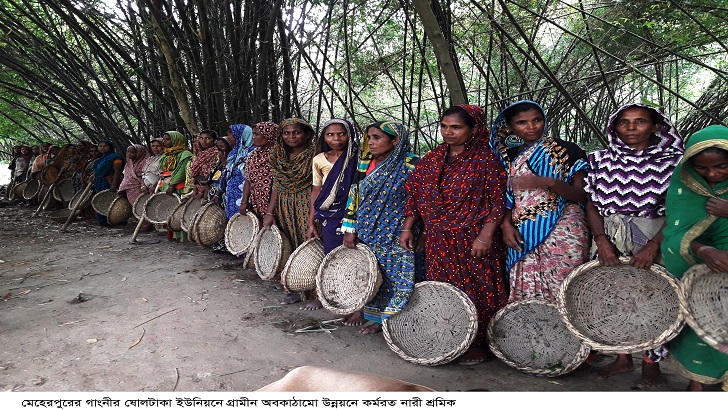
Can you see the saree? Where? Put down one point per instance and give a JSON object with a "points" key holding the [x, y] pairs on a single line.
{"points": [[292, 180], [375, 212], [330, 205], [173, 164], [257, 169], [132, 183], [554, 231], [234, 176], [688, 220], [455, 199]]}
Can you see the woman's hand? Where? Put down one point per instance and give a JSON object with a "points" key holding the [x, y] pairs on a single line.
{"points": [[350, 240], [646, 256], [311, 232], [531, 182], [717, 207], [716, 260], [606, 252], [113, 189], [268, 221], [420, 247], [511, 236], [170, 191], [481, 247], [407, 240]]}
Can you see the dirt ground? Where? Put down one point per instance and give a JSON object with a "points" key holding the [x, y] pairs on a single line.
{"points": [[170, 316]]}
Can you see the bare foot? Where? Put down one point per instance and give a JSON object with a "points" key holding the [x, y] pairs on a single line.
{"points": [[371, 329], [291, 298], [314, 304], [651, 376], [473, 356], [355, 319], [695, 386], [623, 364]]}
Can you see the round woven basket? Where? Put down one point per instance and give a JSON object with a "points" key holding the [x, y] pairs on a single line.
{"points": [[621, 309], [438, 324], [83, 202], [16, 191], [175, 220], [240, 232], [300, 271], [192, 230], [704, 301], [191, 208], [60, 215], [249, 262], [209, 225], [271, 253], [119, 211], [139, 205], [102, 201], [530, 336], [31, 189], [348, 278], [159, 207], [63, 190]]}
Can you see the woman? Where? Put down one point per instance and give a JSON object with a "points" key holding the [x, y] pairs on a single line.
{"points": [[290, 199], [458, 190], [132, 185], [626, 187], [697, 232], [374, 214], [174, 167], [223, 150], [60, 166], [151, 169], [203, 162], [234, 176], [107, 172], [258, 176], [22, 165], [544, 226]]}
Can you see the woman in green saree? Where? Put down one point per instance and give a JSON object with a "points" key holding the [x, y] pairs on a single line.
{"points": [[697, 232]]}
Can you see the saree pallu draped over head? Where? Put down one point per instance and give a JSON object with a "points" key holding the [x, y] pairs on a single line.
{"points": [[132, 182], [233, 178], [376, 201], [102, 167], [549, 157], [633, 182], [331, 201], [257, 168], [292, 174]]}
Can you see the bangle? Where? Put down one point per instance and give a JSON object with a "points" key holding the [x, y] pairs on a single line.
{"points": [[405, 230], [702, 248], [484, 243], [654, 241], [600, 234]]}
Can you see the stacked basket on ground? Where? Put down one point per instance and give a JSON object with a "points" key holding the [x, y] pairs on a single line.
{"points": [[272, 250], [63, 191], [240, 233], [208, 225], [299, 274], [115, 208], [159, 207]]}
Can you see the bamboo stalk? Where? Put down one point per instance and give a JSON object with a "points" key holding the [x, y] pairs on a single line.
{"points": [[72, 215]]}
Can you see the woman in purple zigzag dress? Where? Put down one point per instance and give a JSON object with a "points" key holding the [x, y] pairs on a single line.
{"points": [[627, 187]]}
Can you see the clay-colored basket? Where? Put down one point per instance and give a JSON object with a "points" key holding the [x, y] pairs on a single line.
{"points": [[209, 224], [271, 253], [240, 232], [102, 201], [704, 302], [300, 271], [348, 278], [119, 211]]}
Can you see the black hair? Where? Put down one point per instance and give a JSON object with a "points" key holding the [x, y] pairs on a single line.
{"points": [[655, 116], [378, 125], [461, 113], [223, 139], [709, 150], [514, 110], [211, 133]]}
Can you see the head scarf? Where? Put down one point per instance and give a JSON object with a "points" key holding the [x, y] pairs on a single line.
{"points": [[203, 162], [257, 167], [102, 166], [133, 168], [243, 135], [331, 201], [292, 174], [179, 145], [633, 182]]}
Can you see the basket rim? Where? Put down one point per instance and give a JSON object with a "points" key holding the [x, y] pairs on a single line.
{"points": [[580, 357], [84, 200], [668, 334], [198, 217], [117, 200], [187, 226], [373, 267], [292, 258], [38, 184], [144, 197], [229, 228], [99, 195], [174, 217], [691, 276], [279, 238], [447, 358], [158, 194], [57, 188]]}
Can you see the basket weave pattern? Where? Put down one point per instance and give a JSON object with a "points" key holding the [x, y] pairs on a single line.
{"points": [[102, 201], [299, 274], [438, 324], [704, 301], [271, 253], [348, 278], [191, 208], [209, 225], [160, 206], [83, 202], [240, 232], [618, 309], [31, 189], [119, 211], [139, 205], [63, 190], [530, 336], [175, 220]]}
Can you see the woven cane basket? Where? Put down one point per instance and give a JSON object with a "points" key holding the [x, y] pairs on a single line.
{"points": [[17, 191], [63, 190], [621, 309], [190, 209], [271, 253], [102, 201], [175, 220], [240, 232], [138, 207], [60, 215], [209, 225], [119, 211], [83, 202], [704, 301], [249, 262], [31, 189], [299, 274], [192, 231], [160, 206], [438, 324], [348, 278], [530, 336]]}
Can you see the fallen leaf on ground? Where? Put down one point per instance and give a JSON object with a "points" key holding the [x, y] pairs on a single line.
{"points": [[136, 342], [92, 340]]}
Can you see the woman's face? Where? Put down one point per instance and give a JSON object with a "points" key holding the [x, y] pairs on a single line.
{"points": [[258, 139], [131, 154], [24, 151], [222, 148], [528, 125], [167, 141], [634, 127], [53, 151], [206, 140], [104, 148], [93, 150], [71, 150], [35, 150], [157, 147], [455, 131], [336, 136], [231, 138], [712, 166], [380, 143], [294, 136]]}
